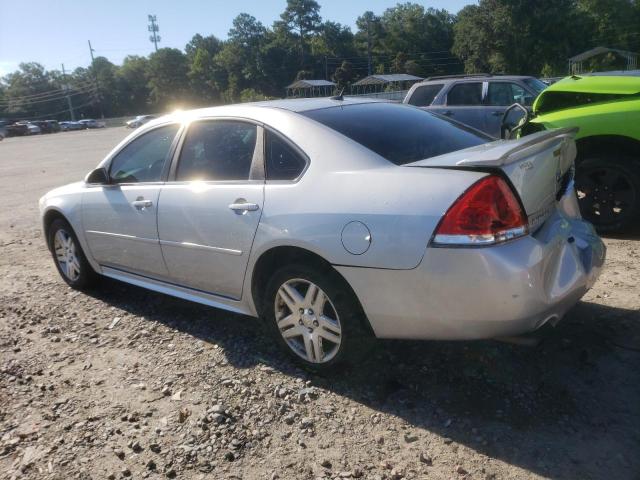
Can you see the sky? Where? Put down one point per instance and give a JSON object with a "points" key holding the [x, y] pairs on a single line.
{"points": [[53, 32]]}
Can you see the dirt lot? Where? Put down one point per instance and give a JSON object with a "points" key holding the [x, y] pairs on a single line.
{"points": [[122, 382]]}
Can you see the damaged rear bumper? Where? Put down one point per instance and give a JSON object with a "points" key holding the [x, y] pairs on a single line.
{"points": [[475, 293]]}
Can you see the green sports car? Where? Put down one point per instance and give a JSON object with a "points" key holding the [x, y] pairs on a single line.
{"points": [[607, 111]]}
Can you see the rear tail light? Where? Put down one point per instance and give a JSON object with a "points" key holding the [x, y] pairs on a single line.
{"points": [[487, 213]]}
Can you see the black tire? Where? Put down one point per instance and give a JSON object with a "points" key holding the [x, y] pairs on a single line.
{"points": [[86, 277], [608, 191], [355, 339]]}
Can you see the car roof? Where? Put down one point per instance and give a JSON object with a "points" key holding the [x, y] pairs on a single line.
{"points": [[597, 84], [291, 104]]}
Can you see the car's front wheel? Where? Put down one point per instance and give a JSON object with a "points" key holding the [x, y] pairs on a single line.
{"points": [[314, 316], [608, 190], [68, 256]]}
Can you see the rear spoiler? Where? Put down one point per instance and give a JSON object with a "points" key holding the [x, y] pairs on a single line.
{"points": [[513, 150]]}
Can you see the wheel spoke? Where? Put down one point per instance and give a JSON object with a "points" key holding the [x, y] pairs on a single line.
{"points": [[311, 294], [316, 342], [293, 332], [330, 324], [327, 335], [308, 347], [288, 321], [291, 297]]}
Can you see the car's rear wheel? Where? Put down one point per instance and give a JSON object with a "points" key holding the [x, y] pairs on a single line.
{"points": [[68, 256], [608, 192], [314, 316]]}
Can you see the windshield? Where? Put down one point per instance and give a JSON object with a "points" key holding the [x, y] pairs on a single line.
{"points": [[399, 133], [535, 84]]}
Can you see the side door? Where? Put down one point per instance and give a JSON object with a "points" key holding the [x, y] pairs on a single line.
{"points": [[500, 95], [464, 103], [209, 211], [119, 219]]}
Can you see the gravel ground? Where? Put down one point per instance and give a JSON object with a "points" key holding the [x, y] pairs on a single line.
{"points": [[125, 383]]}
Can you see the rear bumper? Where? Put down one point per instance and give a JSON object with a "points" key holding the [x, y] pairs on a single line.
{"points": [[475, 293]]}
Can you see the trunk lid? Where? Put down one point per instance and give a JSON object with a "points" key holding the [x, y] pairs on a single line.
{"points": [[539, 167]]}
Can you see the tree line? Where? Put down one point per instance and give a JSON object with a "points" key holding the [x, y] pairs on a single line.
{"points": [[534, 37]]}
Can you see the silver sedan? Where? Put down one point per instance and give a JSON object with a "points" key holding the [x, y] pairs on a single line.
{"points": [[335, 220]]}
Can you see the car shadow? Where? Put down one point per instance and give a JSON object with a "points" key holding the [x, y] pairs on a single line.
{"points": [[568, 408]]}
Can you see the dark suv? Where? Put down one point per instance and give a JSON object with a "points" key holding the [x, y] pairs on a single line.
{"points": [[476, 100]]}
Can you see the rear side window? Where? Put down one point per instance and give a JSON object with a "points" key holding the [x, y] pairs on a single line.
{"points": [[217, 150], [465, 94], [400, 133], [143, 159], [283, 162], [423, 96]]}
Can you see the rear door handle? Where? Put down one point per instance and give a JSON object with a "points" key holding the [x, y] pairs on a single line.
{"points": [[448, 113], [240, 206], [142, 204]]}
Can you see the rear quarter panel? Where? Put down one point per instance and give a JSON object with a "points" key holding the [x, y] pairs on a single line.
{"points": [[400, 206]]}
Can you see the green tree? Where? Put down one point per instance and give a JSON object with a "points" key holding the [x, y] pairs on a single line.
{"points": [[518, 36], [168, 79], [303, 18], [133, 80]]}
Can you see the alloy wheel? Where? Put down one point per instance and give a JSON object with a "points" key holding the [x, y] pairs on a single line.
{"points": [[308, 321], [66, 255], [605, 194]]}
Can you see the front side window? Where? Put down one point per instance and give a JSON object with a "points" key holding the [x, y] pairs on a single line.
{"points": [[424, 96], [282, 160], [217, 150], [506, 93], [143, 159], [465, 94]]}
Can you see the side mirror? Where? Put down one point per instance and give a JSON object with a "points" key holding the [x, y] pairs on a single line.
{"points": [[508, 129], [99, 176]]}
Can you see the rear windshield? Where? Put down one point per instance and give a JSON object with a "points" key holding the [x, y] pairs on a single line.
{"points": [[399, 133]]}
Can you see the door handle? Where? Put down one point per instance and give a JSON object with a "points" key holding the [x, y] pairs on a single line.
{"points": [[142, 204], [448, 113], [240, 206], [497, 113]]}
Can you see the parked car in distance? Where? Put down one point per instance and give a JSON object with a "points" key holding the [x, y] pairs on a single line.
{"points": [[67, 126], [606, 109], [475, 100], [91, 123], [139, 121], [17, 129], [4, 131], [47, 126], [335, 220], [32, 128]]}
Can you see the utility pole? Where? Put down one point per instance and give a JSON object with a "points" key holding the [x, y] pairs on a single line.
{"points": [[326, 69], [154, 29], [368, 46], [66, 89], [96, 95]]}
